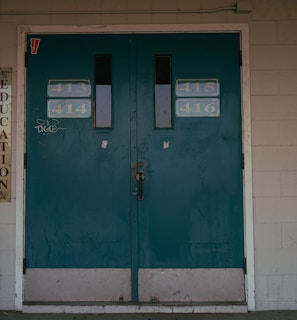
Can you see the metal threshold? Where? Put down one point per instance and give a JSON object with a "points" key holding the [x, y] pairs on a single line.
{"points": [[130, 307]]}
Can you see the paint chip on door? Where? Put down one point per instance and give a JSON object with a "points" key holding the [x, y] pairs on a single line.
{"points": [[166, 144], [104, 144]]}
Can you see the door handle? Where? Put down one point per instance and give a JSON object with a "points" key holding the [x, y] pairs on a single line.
{"points": [[140, 178]]}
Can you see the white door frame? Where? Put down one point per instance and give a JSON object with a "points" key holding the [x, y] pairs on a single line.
{"points": [[242, 29]]}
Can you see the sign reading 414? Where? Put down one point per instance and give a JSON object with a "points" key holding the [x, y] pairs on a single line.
{"points": [[69, 108]]}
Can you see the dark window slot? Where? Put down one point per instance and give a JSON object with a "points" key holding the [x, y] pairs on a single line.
{"points": [[163, 112], [103, 92]]}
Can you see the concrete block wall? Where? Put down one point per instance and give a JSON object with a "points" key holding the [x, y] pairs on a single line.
{"points": [[274, 144], [273, 67], [8, 56]]}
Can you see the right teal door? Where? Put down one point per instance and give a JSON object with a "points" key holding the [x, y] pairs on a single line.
{"points": [[191, 244]]}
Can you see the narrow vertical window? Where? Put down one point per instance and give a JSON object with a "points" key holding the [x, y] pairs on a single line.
{"points": [[103, 92], [163, 118]]}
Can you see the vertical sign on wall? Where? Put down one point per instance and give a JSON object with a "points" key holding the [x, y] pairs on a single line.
{"points": [[5, 134]]}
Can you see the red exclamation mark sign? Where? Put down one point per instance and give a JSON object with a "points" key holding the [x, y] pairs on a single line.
{"points": [[34, 45]]}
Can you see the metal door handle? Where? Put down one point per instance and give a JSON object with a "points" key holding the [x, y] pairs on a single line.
{"points": [[140, 178]]}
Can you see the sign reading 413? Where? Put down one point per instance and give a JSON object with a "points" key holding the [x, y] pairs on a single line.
{"points": [[69, 88]]}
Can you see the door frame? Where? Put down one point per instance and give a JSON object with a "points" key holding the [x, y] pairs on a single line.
{"points": [[242, 29]]}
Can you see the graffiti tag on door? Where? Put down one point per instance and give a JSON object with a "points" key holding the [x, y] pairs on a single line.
{"points": [[48, 127]]}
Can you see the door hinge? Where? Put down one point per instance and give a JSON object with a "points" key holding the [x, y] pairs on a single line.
{"points": [[242, 161], [240, 57], [24, 265], [26, 59], [244, 265], [25, 160]]}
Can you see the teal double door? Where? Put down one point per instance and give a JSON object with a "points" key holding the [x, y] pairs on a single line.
{"points": [[133, 175]]}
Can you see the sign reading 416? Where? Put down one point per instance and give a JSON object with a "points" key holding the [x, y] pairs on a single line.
{"points": [[198, 107]]}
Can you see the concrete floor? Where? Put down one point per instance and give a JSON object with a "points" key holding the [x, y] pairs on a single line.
{"points": [[259, 315]]}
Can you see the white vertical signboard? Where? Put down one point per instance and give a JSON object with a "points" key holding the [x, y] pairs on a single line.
{"points": [[5, 134]]}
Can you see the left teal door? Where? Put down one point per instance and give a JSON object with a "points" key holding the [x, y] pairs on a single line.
{"points": [[77, 177], [75, 216], [137, 210]]}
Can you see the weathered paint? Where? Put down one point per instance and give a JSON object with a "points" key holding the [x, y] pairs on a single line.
{"points": [[207, 285], [211, 203], [77, 284]]}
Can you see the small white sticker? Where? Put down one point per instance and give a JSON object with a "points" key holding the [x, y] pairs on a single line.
{"points": [[166, 144], [104, 144]]}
